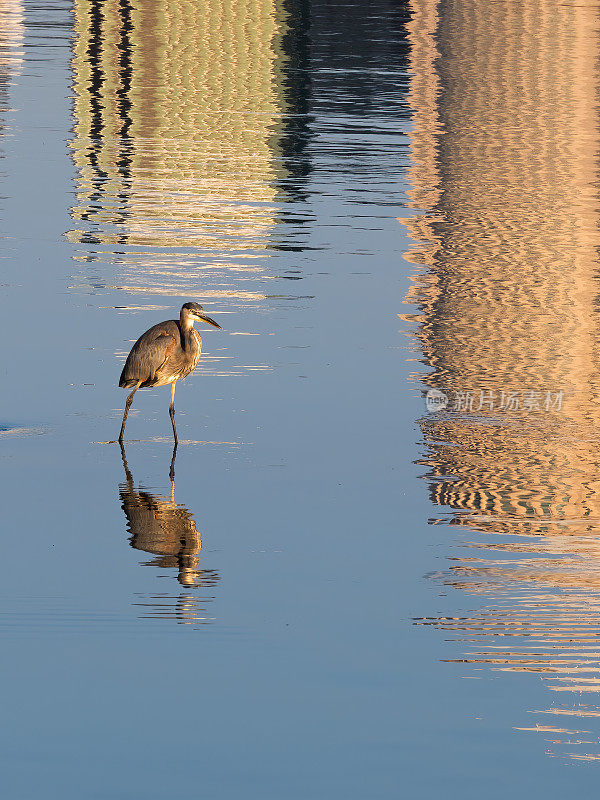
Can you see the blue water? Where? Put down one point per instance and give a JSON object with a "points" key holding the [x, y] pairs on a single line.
{"points": [[254, 633]]}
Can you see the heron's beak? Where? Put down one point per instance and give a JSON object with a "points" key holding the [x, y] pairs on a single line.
{"points": [[210, 321]]}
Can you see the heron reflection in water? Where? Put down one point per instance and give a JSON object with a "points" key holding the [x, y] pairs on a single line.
{"points": [[161, 527]]}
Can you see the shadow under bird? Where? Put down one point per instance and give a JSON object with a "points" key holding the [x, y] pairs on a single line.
{"points": [[166, 353]]}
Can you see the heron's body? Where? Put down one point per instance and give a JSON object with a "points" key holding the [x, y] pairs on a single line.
{"points": [[166, 353]]}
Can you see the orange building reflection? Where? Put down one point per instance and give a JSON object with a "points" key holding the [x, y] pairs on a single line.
{"points": [[504, 215]]}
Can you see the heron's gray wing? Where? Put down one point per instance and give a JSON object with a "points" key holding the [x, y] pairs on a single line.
{"points": [[148, 354]]}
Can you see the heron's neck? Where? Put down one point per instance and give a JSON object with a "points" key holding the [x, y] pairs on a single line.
{"points": [[186, 326], [186, 322]]}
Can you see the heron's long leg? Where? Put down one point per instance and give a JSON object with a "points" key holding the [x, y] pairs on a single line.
{"points": [[172, 472], [172, 411], [128, 474], [127, 407]]}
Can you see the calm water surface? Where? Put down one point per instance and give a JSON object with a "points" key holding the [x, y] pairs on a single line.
{"points": [[341, 593]]}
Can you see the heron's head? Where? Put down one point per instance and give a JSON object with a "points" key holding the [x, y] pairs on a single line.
{"points": [[195, 310]]}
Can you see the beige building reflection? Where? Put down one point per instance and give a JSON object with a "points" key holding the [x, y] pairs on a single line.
{"points": [[12, 32], [165, 529], [504, 214], [178, 112]]}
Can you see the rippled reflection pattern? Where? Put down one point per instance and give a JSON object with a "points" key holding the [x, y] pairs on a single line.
{"points": [[12, 30], [167, 530], [504, 216], [180, 142]]}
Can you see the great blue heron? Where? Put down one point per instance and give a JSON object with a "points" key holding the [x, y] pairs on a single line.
{"points": [[164, 354]]}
